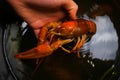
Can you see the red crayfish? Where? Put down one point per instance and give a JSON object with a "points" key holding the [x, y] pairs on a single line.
{"points": [[54, 35]]}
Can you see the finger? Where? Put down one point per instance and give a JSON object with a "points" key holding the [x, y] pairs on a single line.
{"points": [[37, 32], [37, 24], [72, 8]]}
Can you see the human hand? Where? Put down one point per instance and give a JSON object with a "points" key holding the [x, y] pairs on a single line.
{"points": [[39, 12]]}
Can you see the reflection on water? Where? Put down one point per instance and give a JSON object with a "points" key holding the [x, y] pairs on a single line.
{"points": [[104, 44]]}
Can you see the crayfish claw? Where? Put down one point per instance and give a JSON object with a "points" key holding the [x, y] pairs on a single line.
{"points": [[40, 51]]}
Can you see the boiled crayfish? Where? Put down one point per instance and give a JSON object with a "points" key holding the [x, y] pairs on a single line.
{"points": [[54, 35]]}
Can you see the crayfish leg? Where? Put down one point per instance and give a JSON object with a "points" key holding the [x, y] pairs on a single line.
{"points": [[79, 44], [46, 29], [78, 54], [64, 49], [82, 42], [43, 33], [59, 43], [75, 47]]}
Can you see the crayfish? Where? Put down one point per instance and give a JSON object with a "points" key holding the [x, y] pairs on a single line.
{"points": [[54, 35]]}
